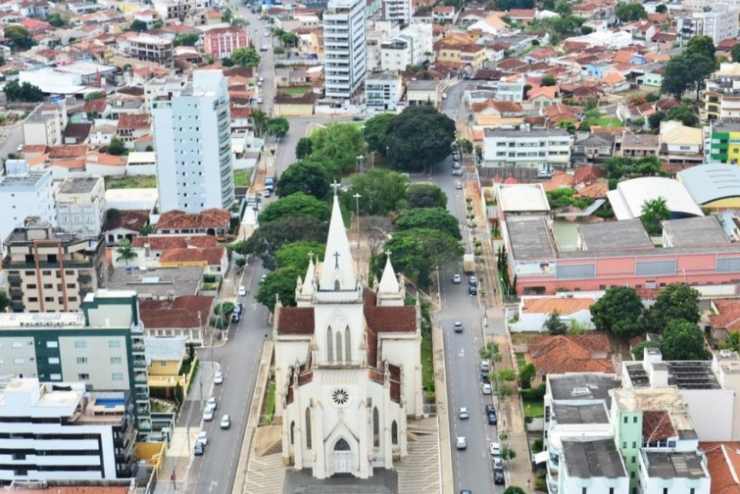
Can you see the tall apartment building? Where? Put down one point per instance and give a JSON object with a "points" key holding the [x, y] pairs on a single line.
{"points": [[383, 91], [80, 203], [101, 346], [722, 93], [719, 22], [45, 125], [59, 433], [221, 42], [543, 149], [50, 270], [148, 47], [24, 193], [399, 11], [192, 140], [724, 142], [345, 48]]}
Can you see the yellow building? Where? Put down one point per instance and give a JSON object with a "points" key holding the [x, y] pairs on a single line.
{"points": [[470, 54]]}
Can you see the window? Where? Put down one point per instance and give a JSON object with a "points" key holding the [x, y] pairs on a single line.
{"points": [[634, 459], [80, 344], [117, 376], [634, 444], [83, 376], [116, 360], [376, 427], [114, 343], [665, 490], [626, 420], [584, 490], [394, 433], [55, 377], [611, 490], [54, 360], [81, 360], [329, 345], [347, 345], [339, 346], [292, 433], [624, 445], [634, 419], [52, 344], [692, 490], [308, 428]]}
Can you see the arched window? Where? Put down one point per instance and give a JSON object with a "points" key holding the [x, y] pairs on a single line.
{"points": [[292, 432], [347, 345], [341, 445], [376, 427], [339, 346], [329, 345], [308, 428], [394, 433]]}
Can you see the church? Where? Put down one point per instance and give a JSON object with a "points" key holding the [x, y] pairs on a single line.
{"points": [[347, 366]]}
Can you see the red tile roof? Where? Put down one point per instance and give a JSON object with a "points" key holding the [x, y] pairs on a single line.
{"points": [[295, 320], [67, 151], [723, 464], [165, 242], [208, 218], [134, 121], [131, 220], [728, 316], [211, 255], [181, 312], [657, 426], [560, 354]]}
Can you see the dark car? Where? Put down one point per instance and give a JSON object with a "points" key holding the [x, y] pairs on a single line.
{"points": [[198, 449], [485, 377], [466, 491], [498, 476], [472, 290], [490, 408], [492, 419]]}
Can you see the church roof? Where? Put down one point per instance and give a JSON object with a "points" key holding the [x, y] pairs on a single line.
{"points": [[388, 282], [338, 265], [295, 320], [381, 319]]}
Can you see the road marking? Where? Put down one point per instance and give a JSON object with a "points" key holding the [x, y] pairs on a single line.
{"points": [[461, 353]]}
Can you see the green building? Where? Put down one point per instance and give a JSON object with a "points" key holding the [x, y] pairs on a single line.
{"points": [[724, 145]]}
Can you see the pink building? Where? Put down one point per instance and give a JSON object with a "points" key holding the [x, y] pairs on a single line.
{"points": [[695, 251], [221, 42]]}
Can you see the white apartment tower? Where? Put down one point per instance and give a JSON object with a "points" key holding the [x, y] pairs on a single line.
{"points": [[397, 11], [193, 145], [345, 48]]}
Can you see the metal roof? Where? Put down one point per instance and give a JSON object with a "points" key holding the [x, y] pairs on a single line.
{"points": [[711, 182]]}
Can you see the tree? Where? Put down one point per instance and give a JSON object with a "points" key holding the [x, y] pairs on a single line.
{"points": [[116, 147], [619, 311], [638, 351], [683, 340], [304, 176], [296, 255], [227, 62], [554, 325], [268, 238], [227, 16], [245, 57], [512, 489], [618, 168], [337, 147], [186, 39], [465, 146], [676, 301], [685, 114], [278, 127], [653, 213], [4, 301], [701, 45], [548, 80], [281, 282], [736, 53], [125, 252], [259, 119], [380, 191], [23, 92], [418, 252], [422, 195], [434, 218], [375, 132], [419, 137], [628, 12], [138, 26], [303, 148], [655, 119], [526, 374], [18, 37], [661, 9], [298, 204], [56, 20]]}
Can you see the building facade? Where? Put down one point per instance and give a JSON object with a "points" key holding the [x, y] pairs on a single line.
{"points": [[347, 367], [345, 48], [724, 142], [80, 203], [722, 93], [101, 346], [543, 149], [719, 23], [193, 146], [25, 194], [221, 42], [57, 433], [399, 11], [45, 125], [383, 91], [149, 48]]}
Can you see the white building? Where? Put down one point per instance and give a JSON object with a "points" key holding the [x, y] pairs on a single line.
{"points": [[45, 125], [52, 433], [24, 193], [80, 203], [719, 23], [399, 11], [345, 48], [413, 45], [193, 146], [543, 149], [347, 366], [383, 91], [534, 312], [396, 54]]}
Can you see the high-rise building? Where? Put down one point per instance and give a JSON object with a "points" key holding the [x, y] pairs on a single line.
{"points": [[193, 145], [25, 193], [345, 48], [397, 11]]}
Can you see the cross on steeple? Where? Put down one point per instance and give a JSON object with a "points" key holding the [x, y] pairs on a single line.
{"points": [[336, 260], [335, 185]]}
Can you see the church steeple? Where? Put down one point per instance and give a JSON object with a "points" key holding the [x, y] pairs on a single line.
{"points": [[390, 292], [305, 288], [337, 271]]}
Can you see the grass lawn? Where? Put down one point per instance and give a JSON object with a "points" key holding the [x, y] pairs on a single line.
{"points": [[427, 365], [594, 117], [294, 91], [534, 408], [268, 406], [131, 182], [241, 177]]}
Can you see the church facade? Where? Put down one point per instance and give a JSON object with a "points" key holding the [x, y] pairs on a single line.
{"points": [[347, 366]]}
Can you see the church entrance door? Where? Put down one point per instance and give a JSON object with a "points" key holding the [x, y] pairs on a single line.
{"points": [[342, 457]]}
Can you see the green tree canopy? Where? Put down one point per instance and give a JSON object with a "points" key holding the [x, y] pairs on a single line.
{"points": [[736, 53], [380, 191], [56, 20], [661, 8], [683, 340], [296, 255], [555, 325], [419, 137], [676, 301], [653, 213], [433, 218], [701, 45], [303, 148], [23, 92], [618, 168], [116, 147], [4, 301], [628, 12], [688, 70], [281, 282], [260, 119], [619, 311], [337, 147], [138, 26], [512, 489], [186, 39], [278, 127], [423, 195], [685, 114], [304, 176], [375, 132], [269, 237], [18, 37], [297, 204], [549, 80], [245, 57], [417, 252]]}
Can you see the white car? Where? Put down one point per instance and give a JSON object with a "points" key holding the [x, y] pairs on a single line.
{"points": [[485, 388], [225, 422], [208, 414], [456, 279], [494, 449], [242, 291], [211, 403], [218, 378], [463, 413], [459, 186], [461, 442], [202, 438]]}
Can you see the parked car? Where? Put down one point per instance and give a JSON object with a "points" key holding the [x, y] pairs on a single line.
{"points": [[242, 291], [456, 279], [218, 377], [498, 463], [202, 437], [208, 414], [463, 413], [494, 449], [485, 365], [459, 185], [485, 388], [235, 317], [458, 327], [225, 422], [472, 290], [492, 418], [498, 476], [212, 402], [457, 172], [472, 280], [461, 442], [485, 377], [199, 449]]}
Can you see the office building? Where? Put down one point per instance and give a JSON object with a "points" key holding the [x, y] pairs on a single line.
{"points": [[101, 346], [193, 146], [719, 22], [345, 48], [383, 91], [63, 433], [24, 193], [80, 202], [541, 149], [399, 11]]}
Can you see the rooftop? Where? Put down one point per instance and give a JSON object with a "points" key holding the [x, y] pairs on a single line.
{"points": [[690, 232], [526, 133], [593, 459], [712, 182], [25, 180], [78, 185], [530, 238], [686, 374], [27, 320], [659, 399], [422, 85], [611, 235], [629, 197], [593, 413], [157, 283], [582, 386], [522, 197], [674, 465]]}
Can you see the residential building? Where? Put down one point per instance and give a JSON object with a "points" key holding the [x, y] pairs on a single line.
{"points": [[679, 144], [173, 9], [213, 222], [398, 11], [102, 346], [185, 317], [718, 22], [722, 93], [396, 54], [80, 204], [45, 125], [62, 432], [345, 48], [50, 270], [724, 143], [124, 225], [592, 466], [542, 149], [422, 92], [347, 367], [632, 145], [148, 47], [468, 56], [25, 193], [221, 42], [510, 90], [383, 91], [628, 198], [193, 146], [533, 312], [560, 354]]}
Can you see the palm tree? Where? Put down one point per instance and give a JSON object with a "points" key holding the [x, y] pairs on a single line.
{"points": [[125, 252]]}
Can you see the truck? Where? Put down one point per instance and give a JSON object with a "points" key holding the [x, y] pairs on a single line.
{"points": [[469, 263]]}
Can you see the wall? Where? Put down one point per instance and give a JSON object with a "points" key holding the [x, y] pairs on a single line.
{"points": [[536, 322], [18, 356], [99, 354], [712, 412]]}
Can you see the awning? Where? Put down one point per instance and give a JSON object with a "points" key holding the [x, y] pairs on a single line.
{"points": [[540, 457]]}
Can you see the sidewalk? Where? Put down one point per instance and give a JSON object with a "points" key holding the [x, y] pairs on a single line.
{"points": [[443, 420]]}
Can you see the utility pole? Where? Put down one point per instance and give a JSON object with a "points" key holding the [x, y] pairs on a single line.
{"points": [[357, 196]]}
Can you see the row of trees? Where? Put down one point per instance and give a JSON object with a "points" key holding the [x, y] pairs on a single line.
{"points": [[243, 57], [688, 70], [264, 125], [26, 92]]}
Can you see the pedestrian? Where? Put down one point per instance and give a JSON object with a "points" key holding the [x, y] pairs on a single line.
{"points": [[173, 479]]}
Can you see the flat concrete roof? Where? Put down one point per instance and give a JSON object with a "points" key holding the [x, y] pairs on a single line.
{"points": [[626, 234], [530, 237], [675, 465], [156, 283], [78, 185], [522, 197], [593, 413], [588, 459], [690, 232], [583, 386]]}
